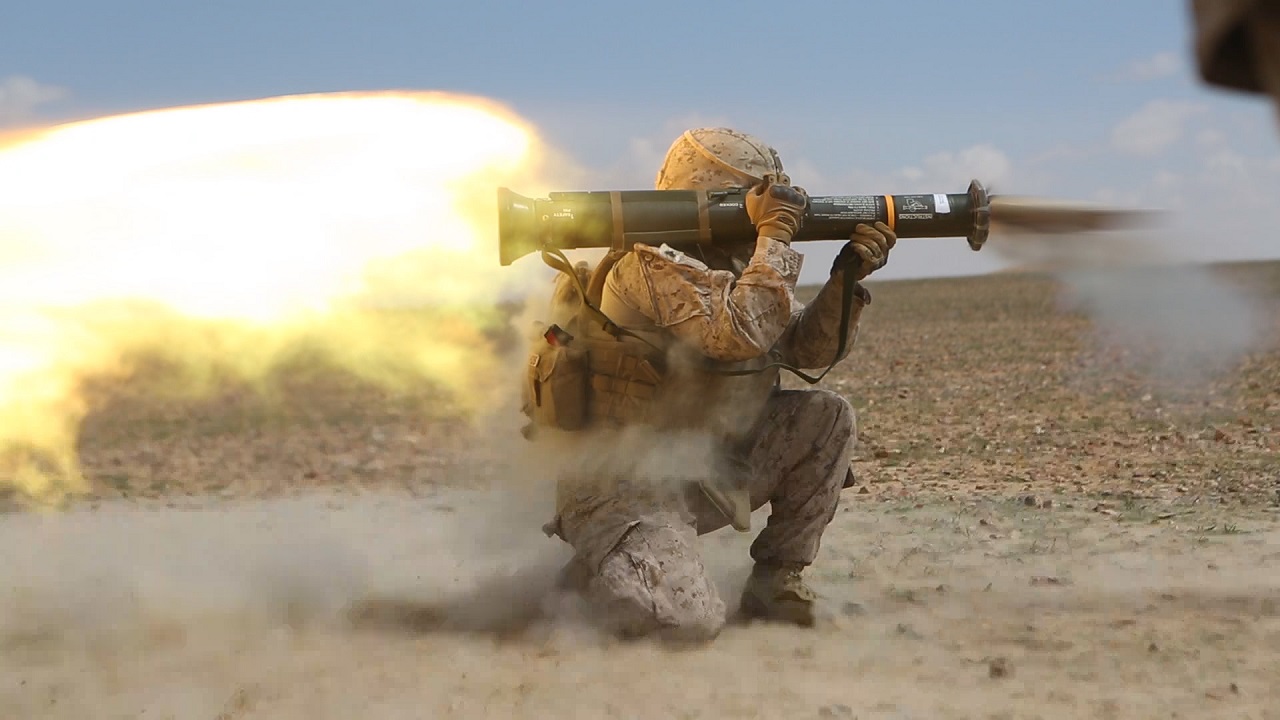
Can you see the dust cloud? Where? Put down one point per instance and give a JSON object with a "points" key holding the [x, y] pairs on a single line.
{"points": [[386, 606], [127, 576], [190, 611], [1178, 324], [209, 573], [108, 589]]}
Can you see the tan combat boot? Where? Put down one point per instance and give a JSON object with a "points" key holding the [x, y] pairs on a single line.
{"points": [[778, 592]]}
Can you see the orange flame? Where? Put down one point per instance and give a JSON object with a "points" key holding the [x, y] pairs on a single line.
{"points": [[272, 219]]}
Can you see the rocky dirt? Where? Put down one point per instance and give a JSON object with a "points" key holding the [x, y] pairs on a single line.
{"points": [[1042, 528]]}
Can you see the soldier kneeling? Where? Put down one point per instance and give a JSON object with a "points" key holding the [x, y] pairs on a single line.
{"points": [[686, 342]]}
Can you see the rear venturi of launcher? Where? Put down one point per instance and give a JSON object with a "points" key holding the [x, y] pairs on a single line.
{"points": [[619, 219]]}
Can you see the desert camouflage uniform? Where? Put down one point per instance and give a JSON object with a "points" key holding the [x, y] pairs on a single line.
{"points": [[633, 532]]}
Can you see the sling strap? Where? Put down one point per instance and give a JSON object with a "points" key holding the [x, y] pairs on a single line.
{"points": [[556, 259]]}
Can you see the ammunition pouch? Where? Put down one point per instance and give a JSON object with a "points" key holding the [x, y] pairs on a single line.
{"points": [[572, 383], [624, 383], [593, 373], [555, 389]]}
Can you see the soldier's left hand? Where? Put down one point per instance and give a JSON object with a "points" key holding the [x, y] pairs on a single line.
{"points": [[867, 251]]}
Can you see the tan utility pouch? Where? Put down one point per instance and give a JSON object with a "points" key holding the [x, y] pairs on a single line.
{"points": [[623, 384], [556, 384]]}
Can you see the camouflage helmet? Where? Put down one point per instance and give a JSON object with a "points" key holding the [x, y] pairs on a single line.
{"points": [[712, 158]]}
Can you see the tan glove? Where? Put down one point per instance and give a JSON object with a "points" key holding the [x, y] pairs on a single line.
{"points": [[776, 207], [866, 252]]}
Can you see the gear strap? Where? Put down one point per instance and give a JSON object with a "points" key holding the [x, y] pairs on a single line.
{"points": [[556, 259], [846, 316]]}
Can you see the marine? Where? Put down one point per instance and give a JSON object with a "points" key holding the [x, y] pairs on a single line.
{"points": [[658, 384]]}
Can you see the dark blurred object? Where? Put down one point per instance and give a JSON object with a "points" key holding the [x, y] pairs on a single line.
{"points": [[1237, 44]]}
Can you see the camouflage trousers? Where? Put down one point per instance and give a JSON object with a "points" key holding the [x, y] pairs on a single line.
{"points": [[637, 555]]}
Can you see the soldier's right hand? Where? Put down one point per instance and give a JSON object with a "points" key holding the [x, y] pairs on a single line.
{"points": [[776, 208]]}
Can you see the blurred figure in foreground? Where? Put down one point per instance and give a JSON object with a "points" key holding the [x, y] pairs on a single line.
{"points": [[1237, 45]]}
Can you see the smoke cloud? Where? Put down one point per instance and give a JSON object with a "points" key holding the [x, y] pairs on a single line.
{"points": [[1178, 323]]}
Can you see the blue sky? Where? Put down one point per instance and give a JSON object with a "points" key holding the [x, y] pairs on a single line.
{"points": [[1087, 100]]}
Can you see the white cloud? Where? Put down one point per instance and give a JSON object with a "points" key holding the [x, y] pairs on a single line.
{"points": [[807, 174], [1226, 162], [20, 96], [1154, 127], [1165, 180], [1219, 204], [638, 166], [955, 169], [1160, 65]]}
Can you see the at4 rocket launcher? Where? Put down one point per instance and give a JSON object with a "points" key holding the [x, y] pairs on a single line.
{"points": [[620, 218]]}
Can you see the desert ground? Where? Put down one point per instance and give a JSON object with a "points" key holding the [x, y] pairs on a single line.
{"points": [[1054, 517]]}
